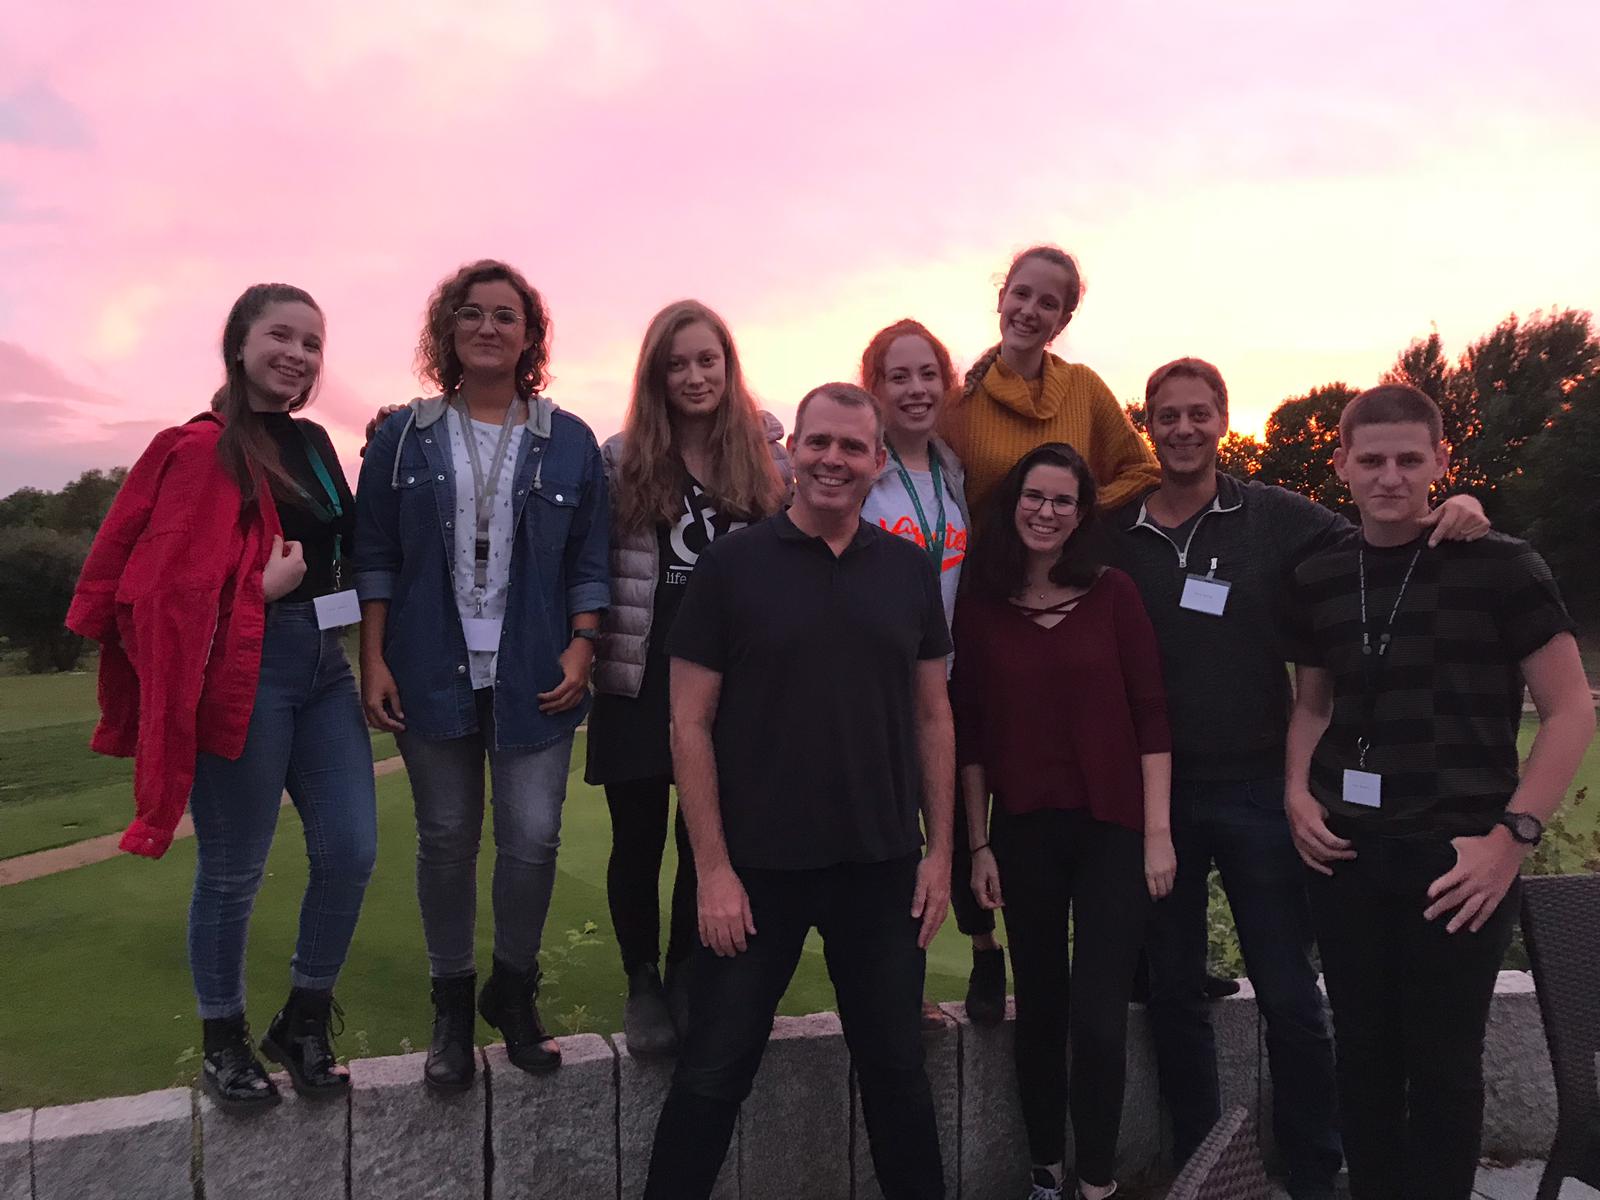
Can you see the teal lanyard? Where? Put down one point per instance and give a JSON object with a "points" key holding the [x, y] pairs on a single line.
{"points": [[333, 509], [932, 538]]}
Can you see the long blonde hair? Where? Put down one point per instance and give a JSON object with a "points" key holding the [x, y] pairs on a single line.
{"points": [[1050, 254], [650, 475]]}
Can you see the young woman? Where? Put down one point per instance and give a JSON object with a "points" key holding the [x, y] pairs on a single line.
{"points": [[920, 495], [1018, 395], [481, 563], [695, 460], [1061, 717], [239, 523]]}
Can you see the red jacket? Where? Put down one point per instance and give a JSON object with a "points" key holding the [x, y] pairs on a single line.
{"points": [[172, 592]]}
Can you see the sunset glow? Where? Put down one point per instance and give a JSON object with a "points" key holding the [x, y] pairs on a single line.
{"points": [[1293, 191]]}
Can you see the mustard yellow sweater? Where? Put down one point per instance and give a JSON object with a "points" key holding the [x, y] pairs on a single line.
{"points": [[1005, 418]]}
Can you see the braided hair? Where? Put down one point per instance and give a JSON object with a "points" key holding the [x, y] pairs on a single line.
{"points": [[1050, 254]]}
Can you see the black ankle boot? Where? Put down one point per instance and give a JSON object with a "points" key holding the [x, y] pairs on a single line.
{"points": [[645, 1018], [507, 1003], [986, 989], [451, 1061], [230, 1072], [300, 1040]]}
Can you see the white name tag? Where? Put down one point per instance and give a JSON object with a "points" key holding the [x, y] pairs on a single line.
{"points": [[338, 609], [1363, 788], [483, 633], [1203, 594]]}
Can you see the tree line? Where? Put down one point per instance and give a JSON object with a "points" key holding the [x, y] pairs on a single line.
{"points": [[1521, 411]]}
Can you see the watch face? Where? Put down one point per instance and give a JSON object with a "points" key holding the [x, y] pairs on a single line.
{"points": [[1525, 826]]}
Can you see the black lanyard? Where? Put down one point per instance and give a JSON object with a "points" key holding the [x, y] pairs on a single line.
{"points": [[1374, 657]]}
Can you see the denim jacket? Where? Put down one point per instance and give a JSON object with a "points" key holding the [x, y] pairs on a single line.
{"points": [[405, 548]]}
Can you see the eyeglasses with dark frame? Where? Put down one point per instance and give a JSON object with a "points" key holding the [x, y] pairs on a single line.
{"points": [[1062, 506], [470, 316]]}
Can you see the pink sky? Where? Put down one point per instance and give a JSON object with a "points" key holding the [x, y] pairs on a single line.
{"points": [[1291, 190]]}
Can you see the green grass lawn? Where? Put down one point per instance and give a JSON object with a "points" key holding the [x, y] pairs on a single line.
{"points": [[96, 981]]}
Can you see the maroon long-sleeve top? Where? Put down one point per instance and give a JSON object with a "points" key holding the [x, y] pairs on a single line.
{"points": [[1058, 717]]}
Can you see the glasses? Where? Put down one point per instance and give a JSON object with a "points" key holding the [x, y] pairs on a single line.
{"points": [[470, 316], [1062, 506]]}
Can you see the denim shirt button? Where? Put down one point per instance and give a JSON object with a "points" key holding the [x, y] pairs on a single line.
{"points": [[462, 669], [411, 478], [440, 478], [449, 524], [558, 497]]}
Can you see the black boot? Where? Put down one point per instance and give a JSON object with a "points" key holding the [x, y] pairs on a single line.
{"points": [[230, 1072], [507, 1003], [645, 1018], [300, 1040], [451, 1060], [986, 989]]}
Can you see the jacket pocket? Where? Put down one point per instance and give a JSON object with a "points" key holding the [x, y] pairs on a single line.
{"points": [[555, 504]]}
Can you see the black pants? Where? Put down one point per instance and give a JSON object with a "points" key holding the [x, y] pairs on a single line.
{"points": [[1242, 828], [971, 917], [1410, 1006], [639, 811], [863, 912], [1054, 864]]}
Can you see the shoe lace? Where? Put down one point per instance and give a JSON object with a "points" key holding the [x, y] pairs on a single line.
{"points": [[1040, 1192]]}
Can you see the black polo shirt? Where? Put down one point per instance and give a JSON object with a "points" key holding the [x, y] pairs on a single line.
{"points": [[815, 735]]}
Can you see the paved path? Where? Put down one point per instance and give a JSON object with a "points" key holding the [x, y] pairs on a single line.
{"points": [[97, 849]]}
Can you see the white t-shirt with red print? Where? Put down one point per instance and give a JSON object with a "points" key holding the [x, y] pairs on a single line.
{"points": [[889, 507]]}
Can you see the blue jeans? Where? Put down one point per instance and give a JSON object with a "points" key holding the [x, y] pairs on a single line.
{"points": [[530, 787], [869, 941], [307, 734], [1242, 828]]}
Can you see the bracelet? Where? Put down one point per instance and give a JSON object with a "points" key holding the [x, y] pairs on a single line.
{"points": [[975, 849]]}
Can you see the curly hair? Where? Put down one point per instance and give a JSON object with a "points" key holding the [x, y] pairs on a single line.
{"points": [[997, 564], [437, 361], [1056, 257]]}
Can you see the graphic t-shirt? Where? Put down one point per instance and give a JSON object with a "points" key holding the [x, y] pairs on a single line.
{"points": [[628, 737], [888, 506]]}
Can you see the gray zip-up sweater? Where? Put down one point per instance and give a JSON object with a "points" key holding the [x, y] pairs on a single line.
{"points": [[1227, 682], [635, 570]]}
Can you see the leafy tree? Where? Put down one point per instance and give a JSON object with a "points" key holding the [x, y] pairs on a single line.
{"points": [[38, 571], [23, 507], [1300, 438], [82, 504]]}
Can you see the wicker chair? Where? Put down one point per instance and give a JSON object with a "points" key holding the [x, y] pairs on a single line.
{"points": [[1561, 925], [1227, 1166]]}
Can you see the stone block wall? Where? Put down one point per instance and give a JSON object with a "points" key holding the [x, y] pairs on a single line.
{"points": [[586, 1129]]}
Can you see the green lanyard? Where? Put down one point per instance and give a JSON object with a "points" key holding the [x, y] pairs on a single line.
{"points": [[932, 538], [333, 509]]}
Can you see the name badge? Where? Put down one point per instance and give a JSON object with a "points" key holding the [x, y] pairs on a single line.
{"points": [[1363, 788], [338, 609], [1201, 593], [483, 633]]}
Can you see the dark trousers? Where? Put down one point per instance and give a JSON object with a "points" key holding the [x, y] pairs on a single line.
{"points": [[863, 911], [971, 917], [1410, 1006], [639, 810], [1242, 828], [1055, 864]]}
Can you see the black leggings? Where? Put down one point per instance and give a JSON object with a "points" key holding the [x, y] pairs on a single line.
{"points": [[639, 810], [1055, 863]]}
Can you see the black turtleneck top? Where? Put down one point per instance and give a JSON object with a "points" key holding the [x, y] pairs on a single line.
{"points": [[301, 522]]}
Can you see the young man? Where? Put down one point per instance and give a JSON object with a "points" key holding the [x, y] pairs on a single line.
{"points": [[810, 723], [1403, 792], [1211, 555]]}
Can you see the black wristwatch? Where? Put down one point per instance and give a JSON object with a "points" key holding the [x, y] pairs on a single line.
{"points": [[1525, 827], [588, 635]]}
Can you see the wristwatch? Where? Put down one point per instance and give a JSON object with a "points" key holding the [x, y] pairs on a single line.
{"points": [[1525, 827], [588, 635]]}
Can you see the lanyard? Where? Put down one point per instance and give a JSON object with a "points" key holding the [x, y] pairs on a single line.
{"points": [[482, 493], [327, 513], [932, 537], [1374, 657]]}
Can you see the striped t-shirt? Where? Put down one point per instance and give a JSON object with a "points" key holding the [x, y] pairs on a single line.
{"points": [[1443, 731]]}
